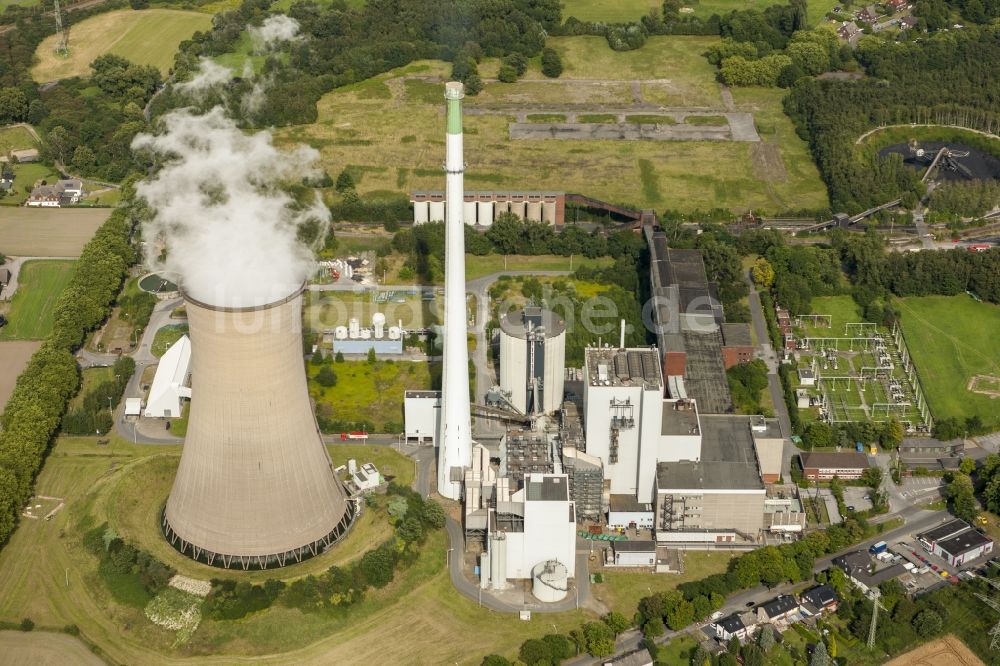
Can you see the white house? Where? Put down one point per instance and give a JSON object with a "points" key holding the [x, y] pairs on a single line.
{"points": [[169, 382]]}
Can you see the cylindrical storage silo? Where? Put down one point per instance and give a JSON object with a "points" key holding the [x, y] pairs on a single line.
{"points": [[255, 486], [485, 209], [469, 212], [366, 334], [378, 323], [518, 208], [421, 209], [353, 328], [550, 581], [533, 340], [500, 207], [498, 561], [549, 212], [340, 333], [534, 212], [394, 332], [436, 211]]}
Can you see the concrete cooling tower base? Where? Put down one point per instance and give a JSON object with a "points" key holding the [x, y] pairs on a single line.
{"points": [[246, 562], [255, 487]]}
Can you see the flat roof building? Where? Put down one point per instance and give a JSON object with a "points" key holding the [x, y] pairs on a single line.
{"points": [[956, 542], [824, 465], [169, 382]]}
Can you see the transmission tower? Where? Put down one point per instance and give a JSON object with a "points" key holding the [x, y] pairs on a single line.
{"points": [[995, 605], [876, 605], [63, 46]]}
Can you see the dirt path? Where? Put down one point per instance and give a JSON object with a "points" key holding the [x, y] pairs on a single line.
{"points": [[43, 648]]}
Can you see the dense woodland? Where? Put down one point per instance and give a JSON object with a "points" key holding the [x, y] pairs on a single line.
{"points": [[948, 78]]}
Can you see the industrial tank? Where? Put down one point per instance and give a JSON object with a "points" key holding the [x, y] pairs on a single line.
{"points": [[340, 333], [518, 208], [549, 212], [534, 211], [533, 346], [500, 208], [421, 209], [498, 561], [255, 486], [550, 581], [378, 323], [469, 212], [437, 211], [485, 213]]}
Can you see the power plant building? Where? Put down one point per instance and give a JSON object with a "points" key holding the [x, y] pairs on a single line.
{"points": [[483, 208], [718, 499], [421, 416], [623, 415], [255, 486], [533, 359]]}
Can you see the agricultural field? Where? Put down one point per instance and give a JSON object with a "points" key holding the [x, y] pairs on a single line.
{"points": [[146, 37], [442, 626], [15, 138], [32, 309], [369, 393], [14, 357], [947, 651], [621, 11], [48, 232], [816, 9], [390, 129], [43, 648], [957, 354]]}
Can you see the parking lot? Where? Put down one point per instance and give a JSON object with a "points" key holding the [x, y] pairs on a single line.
{"points": [[922, 488], [856, 496]]}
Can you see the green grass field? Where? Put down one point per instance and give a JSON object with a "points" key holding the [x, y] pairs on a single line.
{"points": [[953, 339], [622, 590], [619, 11], [31, 310], [393, 125], [441, 627], [165, 337], [146, 37], [842, 310], [15, 138], [372, 393]]}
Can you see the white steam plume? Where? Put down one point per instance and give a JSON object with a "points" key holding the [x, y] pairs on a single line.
{"points": [[274, 30], [210, 76], [229, 228]]}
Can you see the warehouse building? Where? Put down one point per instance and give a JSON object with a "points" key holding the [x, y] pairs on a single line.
{"points": [[956, 542], [169, 386], [824, 465], [632, 554], [717, 500], [421, 416]]}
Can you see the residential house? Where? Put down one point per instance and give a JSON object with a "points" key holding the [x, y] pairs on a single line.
{"points": [[733, 626], [868, 14], [858, 567], [778, 611], [820, 599], [44, 196], [71, 189], [908, 22]]}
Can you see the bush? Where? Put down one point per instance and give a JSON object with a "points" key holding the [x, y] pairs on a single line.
{"points": [[507, 74], [71, 629], [552, 65], [326, 377], [27, 624], [534, 651]]}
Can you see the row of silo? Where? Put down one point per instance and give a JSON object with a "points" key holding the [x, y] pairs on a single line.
{"points": [[484, 213]]}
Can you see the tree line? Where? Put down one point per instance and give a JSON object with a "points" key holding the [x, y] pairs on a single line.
{"points": [[34, 413]]}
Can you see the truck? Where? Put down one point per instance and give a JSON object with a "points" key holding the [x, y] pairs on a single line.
{"points": [[860, 447], [878, 548]]}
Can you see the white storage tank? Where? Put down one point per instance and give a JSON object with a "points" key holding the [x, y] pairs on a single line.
{"points": [[547, 333], [394, 332], [469, 212], [436, 211], [549, 212], [485, 212], [366, 334], [534, 211], [340, 333], [378, 322], [354, 327], [498, 561], [518, 208], [420, 211], [550, 581]]}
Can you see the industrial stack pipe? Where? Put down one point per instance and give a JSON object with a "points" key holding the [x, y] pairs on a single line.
{"points": [[255, 487], [455, 440]]}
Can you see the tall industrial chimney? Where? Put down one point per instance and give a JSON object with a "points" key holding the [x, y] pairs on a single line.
{"points": [[455, 440], [255, 486]]}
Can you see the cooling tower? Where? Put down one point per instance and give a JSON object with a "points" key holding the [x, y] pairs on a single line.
{"points": [[255, 486]]}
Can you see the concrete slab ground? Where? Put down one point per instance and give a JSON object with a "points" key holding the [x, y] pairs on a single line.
{"points": [[740, 127]]}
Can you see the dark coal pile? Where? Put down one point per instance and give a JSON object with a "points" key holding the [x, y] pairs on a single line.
{"points": [[977, 164]]}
